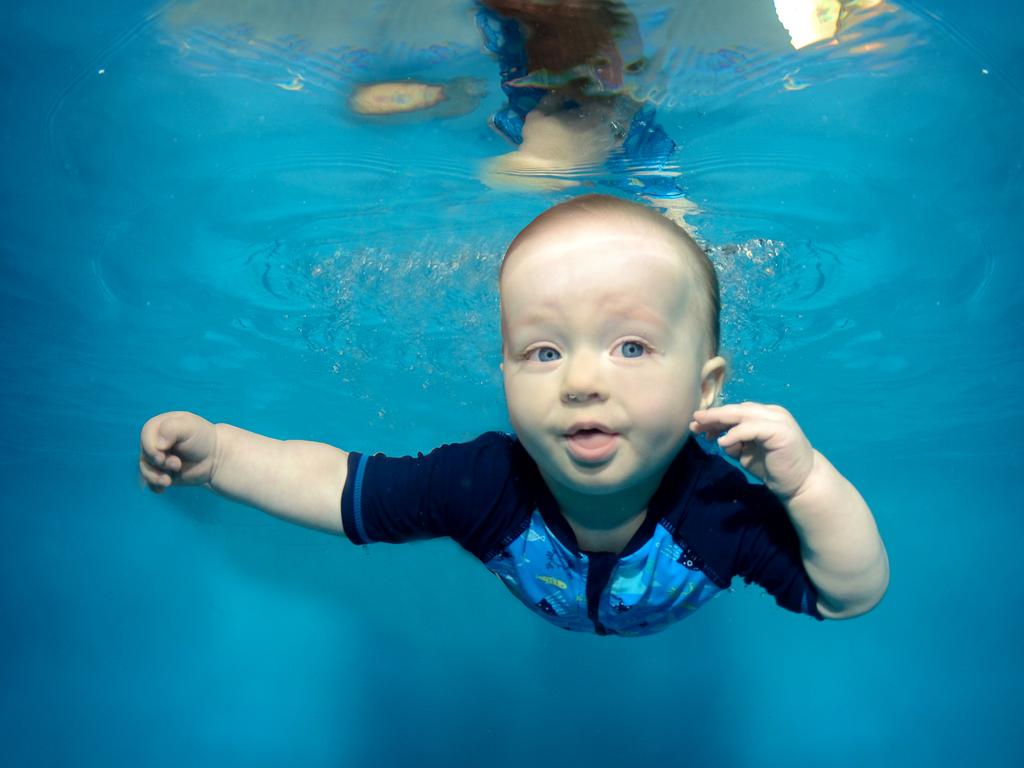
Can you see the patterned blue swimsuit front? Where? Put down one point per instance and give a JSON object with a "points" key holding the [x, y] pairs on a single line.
{"points": [[705, 524]]}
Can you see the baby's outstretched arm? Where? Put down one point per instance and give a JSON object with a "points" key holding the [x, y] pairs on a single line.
{"points": [[840, 544], [295, 480]]}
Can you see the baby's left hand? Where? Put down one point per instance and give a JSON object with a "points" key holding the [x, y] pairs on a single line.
{"points": [[765, 439]]}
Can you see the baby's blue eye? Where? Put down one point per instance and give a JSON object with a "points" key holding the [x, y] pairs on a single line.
{"points": [[632, 349], [545, 354]]}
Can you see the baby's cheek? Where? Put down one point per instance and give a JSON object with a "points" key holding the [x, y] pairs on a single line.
{"points": [[523, 399], [669, 415]]}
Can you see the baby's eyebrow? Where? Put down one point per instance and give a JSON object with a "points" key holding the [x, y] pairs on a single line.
{"points": [[535, 317], [638, 314]]}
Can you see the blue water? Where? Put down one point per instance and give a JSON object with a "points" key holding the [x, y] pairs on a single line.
{"points": [[181, 232]]}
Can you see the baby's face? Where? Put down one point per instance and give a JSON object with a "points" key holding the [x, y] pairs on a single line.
{"points": [[605, 353]]}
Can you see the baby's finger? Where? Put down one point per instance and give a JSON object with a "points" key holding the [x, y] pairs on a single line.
{"points": [[736, 412], [148, 440], [720, 418], [710, 434], [733, 449], [757, 431], [152, 458], [154, 478], [724, 417], [714, 422], [171, 430]]}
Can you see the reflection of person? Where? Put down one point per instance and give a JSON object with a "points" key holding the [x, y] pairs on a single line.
{"points": [[601, 513], [563, 68]]}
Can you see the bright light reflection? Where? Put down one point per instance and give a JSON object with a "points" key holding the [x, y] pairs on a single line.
{"points": [[810, 21]]}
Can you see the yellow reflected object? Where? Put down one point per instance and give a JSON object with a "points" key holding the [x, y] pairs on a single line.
{"points": [[399, 99], [395, 97]]}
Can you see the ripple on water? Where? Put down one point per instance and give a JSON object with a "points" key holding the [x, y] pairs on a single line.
{"points": [[775, 297], [315, 46]]}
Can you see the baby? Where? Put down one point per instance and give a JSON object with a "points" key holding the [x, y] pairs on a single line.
{"points": [[602, 513]]}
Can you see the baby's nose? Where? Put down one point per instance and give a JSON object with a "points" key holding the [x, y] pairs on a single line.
{"points": [[583, 380], [580, 397]]}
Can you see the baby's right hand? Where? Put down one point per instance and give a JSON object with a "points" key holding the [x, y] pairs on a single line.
{"points": [[178, 448]]}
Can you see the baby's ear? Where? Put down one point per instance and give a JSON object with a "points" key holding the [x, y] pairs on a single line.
{"points": [[712, 377]]}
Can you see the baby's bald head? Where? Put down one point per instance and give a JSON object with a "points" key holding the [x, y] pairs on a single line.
{"points": [[584, 213]]}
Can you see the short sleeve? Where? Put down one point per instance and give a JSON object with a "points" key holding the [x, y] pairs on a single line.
{"points": [[462, 490], [769, 554], [756, 539]]}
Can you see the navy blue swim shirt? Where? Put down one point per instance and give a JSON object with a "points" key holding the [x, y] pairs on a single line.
{"points": [[705, 524]]}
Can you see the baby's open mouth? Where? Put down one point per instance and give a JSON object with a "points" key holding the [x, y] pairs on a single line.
{"points": [[591, 444]]}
